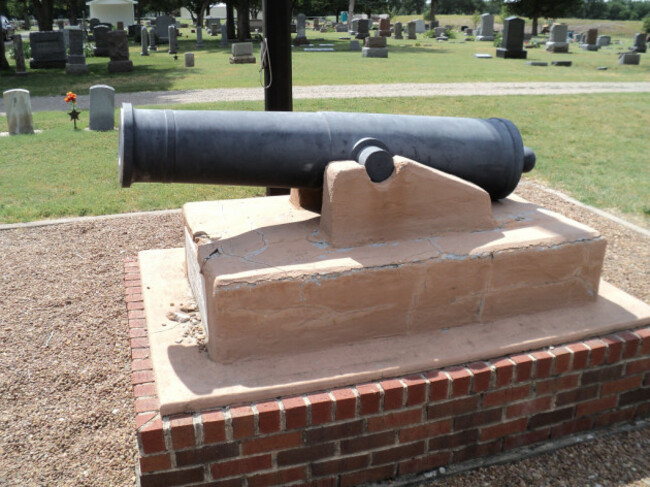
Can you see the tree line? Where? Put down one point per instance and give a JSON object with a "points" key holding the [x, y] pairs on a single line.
{"points": [[45, 11]]}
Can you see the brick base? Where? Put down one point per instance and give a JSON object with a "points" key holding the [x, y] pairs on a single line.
{"points": [[398, 426]]}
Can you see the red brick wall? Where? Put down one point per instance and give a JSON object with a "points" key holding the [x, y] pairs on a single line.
{"points": [[389, 427]]}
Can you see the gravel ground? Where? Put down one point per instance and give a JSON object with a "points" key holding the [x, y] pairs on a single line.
{"points": [[43, 103], [66, 410]]}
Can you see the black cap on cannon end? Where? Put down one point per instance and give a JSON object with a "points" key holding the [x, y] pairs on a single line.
{"points": [[125, 155], [529, 159]]}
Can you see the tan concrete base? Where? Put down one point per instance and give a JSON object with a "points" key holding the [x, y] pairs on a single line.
{"points": [[269, 281], [188, 380]]}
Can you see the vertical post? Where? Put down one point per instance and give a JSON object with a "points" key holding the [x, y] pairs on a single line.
{"points": [[278, 96]]}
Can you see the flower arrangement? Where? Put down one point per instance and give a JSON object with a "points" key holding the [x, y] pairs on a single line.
{"points": [[70, 97]]}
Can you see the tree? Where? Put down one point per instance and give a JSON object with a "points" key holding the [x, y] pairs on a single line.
{"points": [[536, 9], [44, 13], [243, 20], [432, 11]]}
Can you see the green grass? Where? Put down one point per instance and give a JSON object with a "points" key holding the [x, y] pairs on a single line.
{"points": [[591, 146], [423, 60]]}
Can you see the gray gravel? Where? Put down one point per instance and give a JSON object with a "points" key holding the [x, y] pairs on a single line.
{"points": [[44, 103]]}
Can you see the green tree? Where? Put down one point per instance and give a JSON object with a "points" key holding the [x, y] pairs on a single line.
{"points": [[536, 9]]}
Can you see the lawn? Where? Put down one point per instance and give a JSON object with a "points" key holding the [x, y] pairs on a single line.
{"points": [[593, 147], [421, 60]]}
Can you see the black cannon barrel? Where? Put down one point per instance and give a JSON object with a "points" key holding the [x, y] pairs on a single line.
{"points": [[291, 149]]}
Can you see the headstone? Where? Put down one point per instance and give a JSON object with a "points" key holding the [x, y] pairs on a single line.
{"points": [[629, 58], [561, 63], [144, 42], [118, 48], [19, 55], [189, 59], [48, 50], [439, 31], [639, 43], [316, 24], [214, 30], [483, 56], [537, 63], [355, 46], [590, 40], [354, 26], [420, 28], [151, 33], [224, 35], [486, 28], [101, 40], [469, 31], [398, 30], [60, 24], [410, 30], [134, 31], [363, 29], [603, 41], [384, 27], [512, 46], [558, 41], [375, 47], [301, 36], [341, 28], [120, 25], [242, 53], [76, 60], [162, 27], [18, 108], [102, 108], [171, 38], [93, 22]]}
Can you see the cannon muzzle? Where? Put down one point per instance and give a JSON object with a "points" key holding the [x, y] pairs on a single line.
{"points": [[291, 149]]}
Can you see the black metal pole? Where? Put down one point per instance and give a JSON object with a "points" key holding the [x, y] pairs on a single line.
{"points": [[278, 96]]}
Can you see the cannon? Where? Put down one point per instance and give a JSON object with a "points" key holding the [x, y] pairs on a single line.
{"points": [[292, 149]]}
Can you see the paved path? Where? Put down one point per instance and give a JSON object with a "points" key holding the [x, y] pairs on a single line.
{"points": [[43, 103]]}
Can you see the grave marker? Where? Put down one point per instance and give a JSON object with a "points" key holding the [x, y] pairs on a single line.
{"points": [[639, 42], [19, 54], [118, 49], [18, 108], [242, 53], [486, 29], [48, 50], [101, 40], [171, 38], [102, 108], [558, 42], [398, 30], [512, 46], [76, 60], [144, 42]]}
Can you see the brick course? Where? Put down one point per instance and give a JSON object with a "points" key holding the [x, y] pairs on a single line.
{"points": [[394, 426]]}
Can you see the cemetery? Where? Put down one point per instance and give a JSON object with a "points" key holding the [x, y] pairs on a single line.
{"points": [[413, 295]]}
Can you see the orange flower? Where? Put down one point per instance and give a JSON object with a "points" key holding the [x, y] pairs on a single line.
{"points": [[70, 97]]}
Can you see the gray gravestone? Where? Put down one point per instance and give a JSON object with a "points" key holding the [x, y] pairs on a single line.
{"points": [[363, 29], [101, 40], [76, 60], [410, 30], [512, 46], [224, 35], [189, 59], [384, 27], [48, 50], [144, 42], [558, 41], [590, 40], [486, 28], [375, 47], [171, 36], [102, 108], [354, 26], [18, 108], [162, 27], [420, 28], [118, 48], [301, 36], [355, 46], [639, 42], [629, 58], [19, 54], [199, 36], [439, 31], [603, 41], [242, 53], [93, 22], [398, 30], [152, 39], [214, 29]]}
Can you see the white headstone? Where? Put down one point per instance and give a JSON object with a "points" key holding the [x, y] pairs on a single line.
{"points": [[102, 108], [19, 111], [486, 28]]}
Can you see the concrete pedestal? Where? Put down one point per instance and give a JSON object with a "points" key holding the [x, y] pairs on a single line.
{"points": [[510, 54], [381, 52]]}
